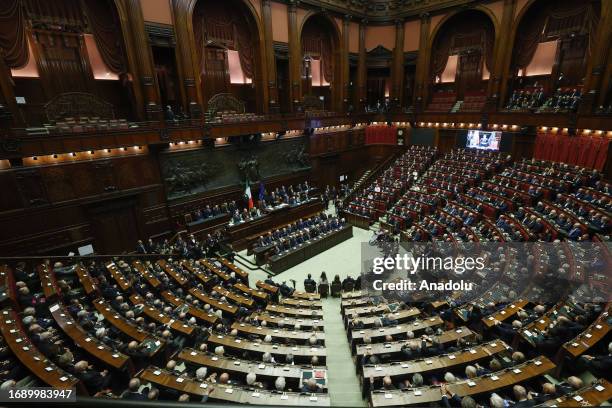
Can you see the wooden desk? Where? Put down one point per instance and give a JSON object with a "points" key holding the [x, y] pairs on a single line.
{"points": [[401, 316], [310, 304], [285, 260], [507, 312], [90, 344], [257, 294], [169, 269], [442, 362], [353, 294], [7, 286], [86, 280], [353, 303], [125, 326], [529, 331], [274, 321], [146, 273], [213, 268], [242, 367], [118, 277], [305, 295], [208, 225], [379, 334], [359, 221], [239, 233], [217, 304], [438, 304], [299, 335], [241, 274], [191, 310], [236, 298], [485, 384], [29, 356], [355, 312], [289, 311], [237, 395], [588, 338], [395, 347], [271, 289], [591, 396], [158, 316], [48, 283], [299, 352], [204, 278]]}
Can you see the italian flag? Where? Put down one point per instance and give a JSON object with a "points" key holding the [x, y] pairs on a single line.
{"points": [[247, 194]]}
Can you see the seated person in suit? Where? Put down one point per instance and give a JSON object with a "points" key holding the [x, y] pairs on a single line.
{"points": [[94, 381], [599, 365], [132, 392], [311, 386], [309, 281], [522, 398]]}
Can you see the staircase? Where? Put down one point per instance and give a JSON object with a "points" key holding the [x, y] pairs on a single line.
{"points": [[456, 106], [363, 177]]}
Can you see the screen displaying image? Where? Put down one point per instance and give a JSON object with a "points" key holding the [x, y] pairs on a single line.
{"points": [[479, 139]]}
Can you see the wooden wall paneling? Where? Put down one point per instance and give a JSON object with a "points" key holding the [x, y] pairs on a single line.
{"points": [[188, 64], [422, 69], [598, 64], [273, 100], [114, 225], [31, 187], [361, 69], [10, 199], [104, 176], [522, 146], [295, 57], [58, 182], [43, 230], [397, 73], [7, 97], [502, 52], [344, 62], [142, 50], [61, 62], [446, 140]]}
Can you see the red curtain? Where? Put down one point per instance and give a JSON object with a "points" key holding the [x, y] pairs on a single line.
{"points": [[381, 135], [106, 29], [585, 151], [13, 42]]}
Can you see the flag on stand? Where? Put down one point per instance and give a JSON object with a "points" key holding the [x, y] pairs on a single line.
{"points": [[261, 191], [247, 195]]}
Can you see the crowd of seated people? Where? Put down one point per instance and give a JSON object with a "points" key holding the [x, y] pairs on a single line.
{"points": [[375, 199], [563, 100], [535, 100], [299, 232], [459, 343], [147, 314], [291, 195], [280, 196], [188, 247], [526, 99]]}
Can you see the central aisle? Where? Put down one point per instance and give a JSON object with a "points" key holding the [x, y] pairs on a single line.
{"points": [[343, 385]]}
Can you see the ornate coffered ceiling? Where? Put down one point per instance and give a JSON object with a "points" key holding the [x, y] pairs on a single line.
{"points": [[383, 11]]}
